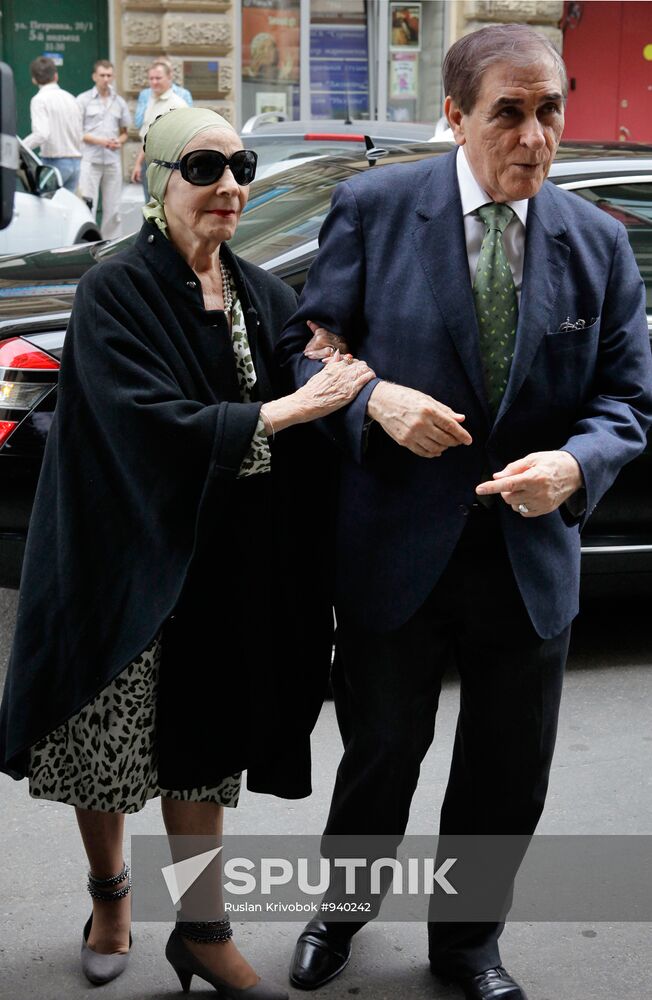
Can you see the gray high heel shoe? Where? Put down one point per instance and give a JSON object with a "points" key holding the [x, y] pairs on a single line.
{"points": [[97, 968], [186, 965]]}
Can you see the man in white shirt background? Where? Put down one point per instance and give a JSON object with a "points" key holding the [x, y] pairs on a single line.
{"points": [[105, 122], [162, 98], [56, 123]]}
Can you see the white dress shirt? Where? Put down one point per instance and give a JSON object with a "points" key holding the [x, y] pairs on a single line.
{"points": [[56, 123], [473, 197]]}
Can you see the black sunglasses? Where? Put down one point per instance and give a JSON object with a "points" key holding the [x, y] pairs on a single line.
{"points": [[206, 166]]}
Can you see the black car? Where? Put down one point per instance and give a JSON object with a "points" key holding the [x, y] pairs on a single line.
{"points": [[279, 231]]}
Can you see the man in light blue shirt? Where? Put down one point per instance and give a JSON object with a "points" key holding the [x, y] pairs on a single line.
{"points": [[163, 96], [145, 96]]}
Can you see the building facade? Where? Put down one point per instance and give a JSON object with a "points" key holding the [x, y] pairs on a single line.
{"points": [[377, 59]]}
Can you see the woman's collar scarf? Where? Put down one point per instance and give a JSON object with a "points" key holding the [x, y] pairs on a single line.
{"points": [[166, 138]]}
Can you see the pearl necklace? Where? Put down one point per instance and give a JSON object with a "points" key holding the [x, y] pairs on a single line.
{"points": [[227, 293]]}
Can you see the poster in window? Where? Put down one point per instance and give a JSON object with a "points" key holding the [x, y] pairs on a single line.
{"points": [[270, 41], [404, 76], [339, 71], [405, 27], [272, 101]]}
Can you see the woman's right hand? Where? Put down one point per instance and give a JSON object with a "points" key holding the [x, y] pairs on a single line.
{"points": [[333, 387], [329, 390]]}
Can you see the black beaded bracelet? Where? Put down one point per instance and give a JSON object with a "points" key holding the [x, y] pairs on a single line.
{"points": [[106, 883], [109, 897], [97, 887]]}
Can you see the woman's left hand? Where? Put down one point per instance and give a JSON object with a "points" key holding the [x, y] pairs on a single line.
{"points": [[324, 345]]}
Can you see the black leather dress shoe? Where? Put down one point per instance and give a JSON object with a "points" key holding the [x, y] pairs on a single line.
{"points": [[319, 956], [494, 984]]}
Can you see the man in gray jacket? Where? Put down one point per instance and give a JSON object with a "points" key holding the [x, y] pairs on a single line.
{"points": [[106, 119]]}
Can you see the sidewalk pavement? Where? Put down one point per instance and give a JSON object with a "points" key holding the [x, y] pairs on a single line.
{"points": [[600, 784]]}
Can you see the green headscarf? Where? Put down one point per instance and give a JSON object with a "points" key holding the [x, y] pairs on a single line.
{"points": [[166, 138]]}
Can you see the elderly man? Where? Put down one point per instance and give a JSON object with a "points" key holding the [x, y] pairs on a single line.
{"points": [[106, 119], [56, 123], [505, 321]]}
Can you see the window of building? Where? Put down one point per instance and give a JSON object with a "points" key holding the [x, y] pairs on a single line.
{"points": [[416, 44], [339, 59], [270, 57], [327, 59]]}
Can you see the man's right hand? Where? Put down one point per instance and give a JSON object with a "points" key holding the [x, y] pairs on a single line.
{"points": [[415, 420]]}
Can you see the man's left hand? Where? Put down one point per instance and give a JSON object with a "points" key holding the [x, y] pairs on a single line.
{"points": [[540, 482], [323, 345]]}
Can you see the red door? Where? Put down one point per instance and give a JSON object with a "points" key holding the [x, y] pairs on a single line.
{"points": [[635, 85], [608, 55]]}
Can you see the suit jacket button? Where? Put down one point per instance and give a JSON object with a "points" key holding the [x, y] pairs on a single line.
{"points": [[463, 509], [150, 239], [191, 284]]}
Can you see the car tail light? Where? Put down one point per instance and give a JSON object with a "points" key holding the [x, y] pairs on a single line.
{"points": [[6, 428], [22, 395], [19, 353], [26, 377]]}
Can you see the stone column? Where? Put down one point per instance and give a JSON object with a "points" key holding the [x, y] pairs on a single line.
{"points": [[544, 15], [195, 35]]}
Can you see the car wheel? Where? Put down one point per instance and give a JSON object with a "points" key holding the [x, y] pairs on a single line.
{"points": [[87, 234]]}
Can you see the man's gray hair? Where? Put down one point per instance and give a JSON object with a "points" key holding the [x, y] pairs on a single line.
{"points": [[471, 56]]}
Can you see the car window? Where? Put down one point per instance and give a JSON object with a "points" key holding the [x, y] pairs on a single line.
{"points": [[284, 212], [26, 171], [631, 203]]}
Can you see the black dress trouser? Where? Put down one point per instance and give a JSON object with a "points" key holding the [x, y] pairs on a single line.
{"points": [[387, 688]]}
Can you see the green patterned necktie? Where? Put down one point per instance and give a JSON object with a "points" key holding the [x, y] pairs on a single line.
{"points": [[495, 302]]}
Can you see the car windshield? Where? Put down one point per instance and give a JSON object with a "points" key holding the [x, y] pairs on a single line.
{"points": [[287, 210], [272, 149]]}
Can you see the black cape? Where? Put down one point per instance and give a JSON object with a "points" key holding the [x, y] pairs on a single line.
{"points": [[140, 524]]}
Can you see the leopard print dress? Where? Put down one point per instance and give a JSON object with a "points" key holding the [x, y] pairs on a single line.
{"points": [[104, 758]]}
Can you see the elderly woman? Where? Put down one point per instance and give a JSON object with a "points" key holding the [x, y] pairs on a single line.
{"points": [[174, 623]]}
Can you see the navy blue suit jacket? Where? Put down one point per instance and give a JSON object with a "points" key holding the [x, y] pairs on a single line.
{"points": [[392, 278]]}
